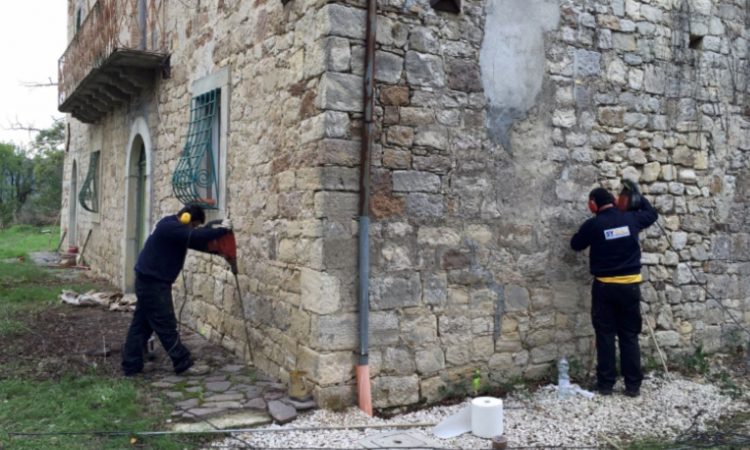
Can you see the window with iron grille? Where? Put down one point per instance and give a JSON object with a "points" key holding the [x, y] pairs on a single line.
{"points": [[196, 179], [88, 197]]}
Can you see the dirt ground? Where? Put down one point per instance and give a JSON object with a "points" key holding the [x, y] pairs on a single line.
{"points": [[66, 340]]}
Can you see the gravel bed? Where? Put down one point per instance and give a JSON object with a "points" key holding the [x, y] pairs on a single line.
{"points": [[663, 411]]}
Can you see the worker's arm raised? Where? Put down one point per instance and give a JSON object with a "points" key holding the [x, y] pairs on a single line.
{"points": [[582, 238]]}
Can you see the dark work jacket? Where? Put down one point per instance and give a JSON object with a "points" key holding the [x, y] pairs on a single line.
{"points": [[163, 255], [613, 237]]}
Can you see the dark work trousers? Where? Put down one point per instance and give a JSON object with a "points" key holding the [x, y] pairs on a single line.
{"points": [[616, 311], [154, 312]]}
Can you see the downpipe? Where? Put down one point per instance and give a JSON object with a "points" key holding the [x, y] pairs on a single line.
{"points": [[364, 391]]}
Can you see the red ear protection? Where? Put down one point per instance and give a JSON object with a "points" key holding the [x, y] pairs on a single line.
{"points": [[592, 206], [623, 202]]}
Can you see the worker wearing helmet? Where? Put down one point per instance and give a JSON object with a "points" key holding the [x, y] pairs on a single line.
{"points": [[158, 266], [615, 262]]}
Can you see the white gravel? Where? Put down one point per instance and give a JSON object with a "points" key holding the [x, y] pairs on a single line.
{"points": [[664, 410]]}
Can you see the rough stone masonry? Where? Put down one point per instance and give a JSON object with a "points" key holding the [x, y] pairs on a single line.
{"points": [[492, 125]]}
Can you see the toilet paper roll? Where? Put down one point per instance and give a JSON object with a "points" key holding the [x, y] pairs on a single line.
{"points": [[486, 417]]}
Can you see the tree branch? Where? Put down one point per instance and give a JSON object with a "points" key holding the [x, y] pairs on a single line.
{"points": [[37, 84]]}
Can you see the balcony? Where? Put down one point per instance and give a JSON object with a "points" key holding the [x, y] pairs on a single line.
{"points": [[116, 54]]}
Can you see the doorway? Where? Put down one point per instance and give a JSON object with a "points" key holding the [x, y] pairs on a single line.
{"points": [[138, 201]]}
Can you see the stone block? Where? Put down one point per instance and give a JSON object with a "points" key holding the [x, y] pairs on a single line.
{"points": [[667, 338], [396, 158], [336, 124], [384, 328], [321, 292], [388, 67], [336, 205], [327, 368], [423, 69], [394, 95], [336, 19], [651, 172], [339, 178], [624, 41], [334, 331], [418, 328], [415, 181], [429, 361], [516, 298], [434, 289], [654, 80], [544, 354], [587, 63], [423, 39], [391, 33], [612, 116], [340, 92], [432, 163], [389, 292], [432, 136], [424, 205], [400, 135], [564, 118], [395, 391], [463, 75], [336, 398], [398, 361], [417, 116]]}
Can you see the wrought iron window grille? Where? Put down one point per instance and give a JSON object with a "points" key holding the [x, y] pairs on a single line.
{"points": [[88, 197], [195, 180]]}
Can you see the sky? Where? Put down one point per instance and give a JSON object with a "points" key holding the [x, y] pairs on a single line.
{"points": [[32, 39]]}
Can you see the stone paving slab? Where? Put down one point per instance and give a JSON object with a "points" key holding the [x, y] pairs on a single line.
{"points": [[229, 395]]}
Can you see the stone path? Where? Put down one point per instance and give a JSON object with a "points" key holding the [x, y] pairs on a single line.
{"points": [[229, 395]]}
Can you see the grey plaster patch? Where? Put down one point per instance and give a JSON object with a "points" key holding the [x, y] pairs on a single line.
{"points": [[512, 59]]}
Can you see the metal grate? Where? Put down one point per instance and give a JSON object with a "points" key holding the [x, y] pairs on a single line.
{"points": [[88, 197], [195, 179]]}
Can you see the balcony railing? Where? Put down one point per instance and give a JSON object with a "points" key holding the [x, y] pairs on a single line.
{"points": [[115, 55]]}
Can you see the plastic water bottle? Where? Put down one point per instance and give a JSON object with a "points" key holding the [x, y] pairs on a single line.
{"points": [[563, 379]]}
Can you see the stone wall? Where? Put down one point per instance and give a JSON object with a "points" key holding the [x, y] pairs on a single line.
{"points": [[492, 126]]}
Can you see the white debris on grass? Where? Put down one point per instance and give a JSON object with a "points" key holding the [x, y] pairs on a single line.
{"points": [[663, 411]]}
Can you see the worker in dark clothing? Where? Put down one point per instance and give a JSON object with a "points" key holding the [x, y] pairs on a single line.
{"points": [[615, 262], [158, 266]]}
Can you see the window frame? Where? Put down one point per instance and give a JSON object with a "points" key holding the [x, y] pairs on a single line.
{"points": [[217, 80]]}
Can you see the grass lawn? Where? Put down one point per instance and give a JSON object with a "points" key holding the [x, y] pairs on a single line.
{"points": [[90, 402]]}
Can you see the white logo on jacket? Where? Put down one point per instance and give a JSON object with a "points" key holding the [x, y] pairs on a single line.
{"points": [[616, 233]]}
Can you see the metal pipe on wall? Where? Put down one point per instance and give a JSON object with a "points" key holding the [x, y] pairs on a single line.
{"points": [[363, 369]]}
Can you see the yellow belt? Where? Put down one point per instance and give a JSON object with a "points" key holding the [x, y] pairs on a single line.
{"points": [[622, 279]]}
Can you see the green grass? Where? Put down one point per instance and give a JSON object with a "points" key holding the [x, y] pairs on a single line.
{"points": [[84, 404], [26, 288], [20, 240], [91, 403]]}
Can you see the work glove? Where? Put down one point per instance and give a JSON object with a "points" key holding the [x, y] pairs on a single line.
{"points": [[226, 224]]}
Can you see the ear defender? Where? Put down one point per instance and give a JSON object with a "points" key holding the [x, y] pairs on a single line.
{"points": [[185, 218], [592, 206]]}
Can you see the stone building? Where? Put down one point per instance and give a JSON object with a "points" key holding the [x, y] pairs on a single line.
{"points": [[492, 121]]}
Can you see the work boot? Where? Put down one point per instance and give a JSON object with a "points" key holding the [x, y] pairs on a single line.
{"points": [[195, 369], [602, 390], [632, 392]]}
